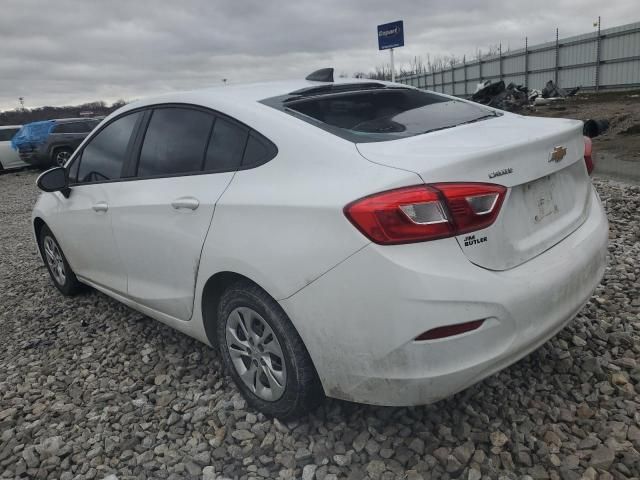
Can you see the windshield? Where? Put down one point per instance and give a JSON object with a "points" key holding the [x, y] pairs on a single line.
{"points": [[383, 114]]}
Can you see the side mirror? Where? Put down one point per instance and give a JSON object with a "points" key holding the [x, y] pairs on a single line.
{"points": [[54, 180]]}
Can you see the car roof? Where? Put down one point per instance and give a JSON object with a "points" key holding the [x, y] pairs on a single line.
{"points": [[243, 93], [244, 102], [72, 120]]}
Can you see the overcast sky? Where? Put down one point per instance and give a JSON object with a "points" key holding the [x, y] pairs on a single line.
{"points": [[64, 52]]}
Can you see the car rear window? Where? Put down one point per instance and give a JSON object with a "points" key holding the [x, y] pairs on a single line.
{"points": [[379, 114], [75, 127]]}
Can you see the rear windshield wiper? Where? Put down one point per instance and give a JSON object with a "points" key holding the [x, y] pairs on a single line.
{"points": [[490, 115], [483, 117]]}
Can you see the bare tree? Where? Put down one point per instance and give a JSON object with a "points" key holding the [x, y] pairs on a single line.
{"points": [[21, 116], [118, 103]]}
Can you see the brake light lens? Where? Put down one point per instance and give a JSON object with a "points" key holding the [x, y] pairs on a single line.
{"points": [[426, 212], [588, 152]]}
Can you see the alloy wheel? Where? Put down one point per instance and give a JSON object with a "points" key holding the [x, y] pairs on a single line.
{"points": [[54, 260], [62, 157], [256, 354]]}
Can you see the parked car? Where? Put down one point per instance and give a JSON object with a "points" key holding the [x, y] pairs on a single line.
{"points": [[51, 142], [365, 240], [9, 158]]}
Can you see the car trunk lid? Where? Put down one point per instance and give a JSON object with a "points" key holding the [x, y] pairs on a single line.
{"points": [[539, 160]]}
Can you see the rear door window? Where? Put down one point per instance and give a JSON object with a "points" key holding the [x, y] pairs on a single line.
{"points": [[227, 144], [259, 150], [6, 134], [105, 154], [175, 142], [75, 127]]}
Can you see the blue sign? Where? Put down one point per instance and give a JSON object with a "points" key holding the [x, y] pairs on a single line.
{"points": [[391, 35]]}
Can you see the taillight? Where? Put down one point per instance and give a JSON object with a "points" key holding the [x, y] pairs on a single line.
{"points": [[473, 206], [426, 212], [588, 158]]}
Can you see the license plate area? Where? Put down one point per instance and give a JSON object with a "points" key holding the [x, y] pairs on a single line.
{"points": [[540, 199]]}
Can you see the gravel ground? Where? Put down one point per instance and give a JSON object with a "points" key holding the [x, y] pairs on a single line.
{"points": [[90, 389]]}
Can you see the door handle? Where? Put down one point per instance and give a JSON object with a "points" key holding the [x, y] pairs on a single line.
{"points": [[185, 203], [100, 207]]}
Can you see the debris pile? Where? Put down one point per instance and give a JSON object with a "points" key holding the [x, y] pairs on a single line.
{"points": [[551, 90], [514, 97]]}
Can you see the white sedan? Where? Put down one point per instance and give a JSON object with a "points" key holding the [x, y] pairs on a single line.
{"points": [[9, 158], [358, 239]]}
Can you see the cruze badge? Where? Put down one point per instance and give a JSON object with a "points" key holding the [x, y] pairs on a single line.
{"points": [[558, 154], [499, 173]]}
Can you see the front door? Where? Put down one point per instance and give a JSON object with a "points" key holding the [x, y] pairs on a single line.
{"points": [[84, 224], [86, 237]]}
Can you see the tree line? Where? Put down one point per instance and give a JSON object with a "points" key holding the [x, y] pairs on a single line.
{"points": [[420, 65], [20, 116]]}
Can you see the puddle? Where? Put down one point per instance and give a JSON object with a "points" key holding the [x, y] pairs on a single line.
{"points": [[609, 164]]}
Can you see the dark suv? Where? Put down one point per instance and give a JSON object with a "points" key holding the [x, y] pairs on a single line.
{"points": [[52, 142]]}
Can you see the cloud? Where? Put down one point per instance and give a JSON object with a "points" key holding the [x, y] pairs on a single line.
{"points": [[72, 51]]}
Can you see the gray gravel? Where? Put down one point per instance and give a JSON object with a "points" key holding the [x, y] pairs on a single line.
{"points": [[90, 389]]}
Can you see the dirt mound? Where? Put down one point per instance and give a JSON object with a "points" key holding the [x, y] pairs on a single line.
{"points": [[621, 109]]}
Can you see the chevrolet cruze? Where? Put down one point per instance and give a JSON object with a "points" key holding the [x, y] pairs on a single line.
{"points": [[363, 240]]}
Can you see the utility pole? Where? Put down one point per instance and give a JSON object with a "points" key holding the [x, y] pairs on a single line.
{"points": [[557, 57], [393, 68], [526, 62], [598, 43]]}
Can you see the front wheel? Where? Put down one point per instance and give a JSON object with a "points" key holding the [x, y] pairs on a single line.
{"points": [[264, 353], [63, 277]]}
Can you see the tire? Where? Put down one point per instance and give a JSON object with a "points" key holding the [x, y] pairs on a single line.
{"points": [[293, 388], [63, 277], [60, 156]]}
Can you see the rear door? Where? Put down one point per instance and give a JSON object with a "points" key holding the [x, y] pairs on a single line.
{"points": [[161, 216]]}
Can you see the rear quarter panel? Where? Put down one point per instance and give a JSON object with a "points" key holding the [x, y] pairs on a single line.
{"points": [[282, 224]]}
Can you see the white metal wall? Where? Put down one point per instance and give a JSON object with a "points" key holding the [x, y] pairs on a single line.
{"points": [[610, 60]]}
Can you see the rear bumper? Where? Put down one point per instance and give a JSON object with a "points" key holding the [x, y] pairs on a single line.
{"points": [[359, 320]]}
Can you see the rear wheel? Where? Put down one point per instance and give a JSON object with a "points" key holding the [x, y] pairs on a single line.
{"points": [[60, 156], [63, 277], [264, 353]]}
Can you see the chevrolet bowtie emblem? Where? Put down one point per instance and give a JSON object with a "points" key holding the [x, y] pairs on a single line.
{"points": [[558, 154]]}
